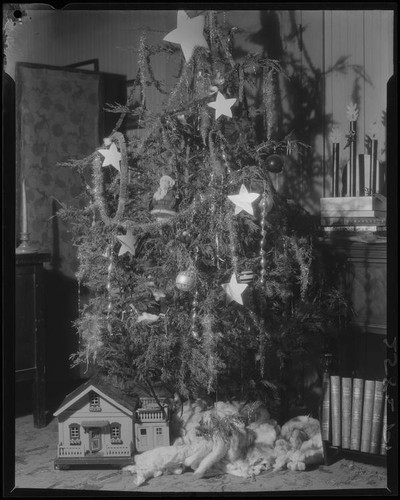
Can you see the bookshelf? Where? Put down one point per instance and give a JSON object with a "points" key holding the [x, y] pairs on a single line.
{"points": [[360, 268], [357, 367]]}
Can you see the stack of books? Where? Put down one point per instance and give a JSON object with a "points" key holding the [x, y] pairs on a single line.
{"points": [[354, 414], [354, 213]]}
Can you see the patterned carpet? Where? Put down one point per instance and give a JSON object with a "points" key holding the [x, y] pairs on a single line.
{"points": [[35, 450]]}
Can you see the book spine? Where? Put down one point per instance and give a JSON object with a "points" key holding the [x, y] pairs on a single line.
{"points": [[335, 410], [383, 450], [366, 425], [377, 414], [326, 408], [346, 411], [356, 415]]}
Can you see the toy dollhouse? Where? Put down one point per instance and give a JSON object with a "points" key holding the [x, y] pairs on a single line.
{"points": [[97, 424], [151, 426]]}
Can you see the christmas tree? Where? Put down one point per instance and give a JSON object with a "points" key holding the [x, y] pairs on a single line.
{"points": [[202, 276]]}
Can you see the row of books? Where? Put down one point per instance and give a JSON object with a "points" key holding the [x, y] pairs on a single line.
{"points": [[354, 414]]}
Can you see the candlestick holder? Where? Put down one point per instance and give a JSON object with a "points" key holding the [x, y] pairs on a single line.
{"points": [[25, 246]]}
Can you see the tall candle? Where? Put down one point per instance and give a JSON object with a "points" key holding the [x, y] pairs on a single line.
{"points": [[24, 228], [374, 169], [348, 186], [335, 137], [360, 173], [367, 175], [335, 186]]}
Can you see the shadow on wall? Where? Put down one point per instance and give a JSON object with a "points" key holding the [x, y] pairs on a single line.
{"points": [[303, 110]]}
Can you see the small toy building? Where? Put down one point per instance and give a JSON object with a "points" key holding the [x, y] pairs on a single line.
{"points": [[151, 427], [97, 424]]}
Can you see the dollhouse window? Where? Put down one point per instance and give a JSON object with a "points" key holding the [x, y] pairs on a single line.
{"points": [[116, 433], [94, 399], [158, 430], [143, 432], [74, 434]]}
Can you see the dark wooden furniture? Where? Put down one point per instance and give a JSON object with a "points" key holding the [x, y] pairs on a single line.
{"points": [[360, 263], [29, 329]]}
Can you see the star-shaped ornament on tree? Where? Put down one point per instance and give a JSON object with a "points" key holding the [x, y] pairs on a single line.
{"points": [[111, 156], [234, 290], [128, 243], [188, 34], [222, 106], [244, 200]]}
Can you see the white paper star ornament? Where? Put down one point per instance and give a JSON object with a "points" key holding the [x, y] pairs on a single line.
{"points": [[243, 200], [188, 34], [222, 106], [111, 156], [234, 290], [128, 243]]}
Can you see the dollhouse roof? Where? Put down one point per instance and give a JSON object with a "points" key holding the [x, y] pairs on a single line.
{"points": [[125, 403]]}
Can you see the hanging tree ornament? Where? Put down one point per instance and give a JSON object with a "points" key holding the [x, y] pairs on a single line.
{"points": [[111, 155], [266, 204], [246, 277], [98, 181], [194, 331], [219, 79], [234, 290], [110, 269], [164, 201], [244, 200], [222, 106], [188, 34], [128, 242], [274, 163], [186, 280], [224, 155], [147, 318], [195, 303], [269, 95]]}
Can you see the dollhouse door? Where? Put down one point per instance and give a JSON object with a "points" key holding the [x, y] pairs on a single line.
{"points": [[94, 439], [158, 436]]}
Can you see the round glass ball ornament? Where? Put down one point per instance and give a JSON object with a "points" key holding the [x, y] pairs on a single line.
{"points": [[266, 203], [274, 163], [185, 281]]}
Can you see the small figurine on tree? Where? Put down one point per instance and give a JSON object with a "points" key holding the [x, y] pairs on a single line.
{"points": [[164, 202]]}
